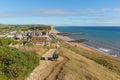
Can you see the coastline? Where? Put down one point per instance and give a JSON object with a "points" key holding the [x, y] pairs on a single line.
{"points": [[82, 45]]}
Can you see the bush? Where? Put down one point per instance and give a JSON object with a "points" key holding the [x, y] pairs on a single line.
{"points": [[16, 64], [30, 44], [2, 76], [16, 71], [7, 41]]}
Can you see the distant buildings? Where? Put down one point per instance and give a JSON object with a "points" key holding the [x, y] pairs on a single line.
{"points": [[37, 37], [35, 33], [41, 40], [10, 36]]}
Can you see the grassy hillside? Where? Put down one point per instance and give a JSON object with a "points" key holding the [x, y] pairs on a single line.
{"points": [[111, 63], [15, 64], [88, 65]]}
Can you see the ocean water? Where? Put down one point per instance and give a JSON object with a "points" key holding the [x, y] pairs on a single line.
{"points": [[104, 39]]}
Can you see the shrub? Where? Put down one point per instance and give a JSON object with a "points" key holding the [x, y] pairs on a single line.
{"points": [[7, 41], [16, 64], [2, 76]]}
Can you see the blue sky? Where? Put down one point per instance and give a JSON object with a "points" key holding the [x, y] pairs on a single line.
{"points": [[61, 12]]}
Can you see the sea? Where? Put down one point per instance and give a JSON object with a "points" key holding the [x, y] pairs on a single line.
{"points": [[103, 38]]}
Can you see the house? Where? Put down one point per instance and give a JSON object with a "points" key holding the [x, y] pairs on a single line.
{"points": [[37, 33], [10, 36], [44, 33], [7, 36], [33, 34], [18, 35], [40, 40]]}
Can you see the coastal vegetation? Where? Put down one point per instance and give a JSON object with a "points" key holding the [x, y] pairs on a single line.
{"points": [[7, 41], [105, 60], [79, 67], [16, 64]]}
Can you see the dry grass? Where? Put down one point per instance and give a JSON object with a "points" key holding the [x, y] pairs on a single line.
{"points": [[82, 68], [107, 61], [39, 50]]}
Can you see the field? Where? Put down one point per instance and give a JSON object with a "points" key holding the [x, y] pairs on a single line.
{"points": [[87, 65], [8, 28]]}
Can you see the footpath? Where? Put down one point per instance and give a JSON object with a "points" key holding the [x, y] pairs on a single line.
{"points": [[47, 70]]}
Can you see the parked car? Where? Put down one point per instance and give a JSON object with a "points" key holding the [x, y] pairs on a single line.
{"points": [[55, 55], [42, 58]]}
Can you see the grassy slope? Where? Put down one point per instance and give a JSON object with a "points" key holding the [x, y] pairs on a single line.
{"points": [[83, 65], [15, 64]]}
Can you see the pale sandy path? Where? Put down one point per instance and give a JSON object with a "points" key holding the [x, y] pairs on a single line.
{"points": [[46, 68]]}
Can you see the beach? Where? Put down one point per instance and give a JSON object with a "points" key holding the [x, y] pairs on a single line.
{"points": [[80, 45]]}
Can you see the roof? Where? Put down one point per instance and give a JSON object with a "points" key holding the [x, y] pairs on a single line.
{"points": [[36, 39]]}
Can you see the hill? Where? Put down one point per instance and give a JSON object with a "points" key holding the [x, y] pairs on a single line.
{"points": [[15, 64]]}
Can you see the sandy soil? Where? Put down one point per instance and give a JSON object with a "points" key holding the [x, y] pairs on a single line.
{"points": [[47, 70]]}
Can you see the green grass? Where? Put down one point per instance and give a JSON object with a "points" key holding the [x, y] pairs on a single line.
{"points": [[15, 64], [2, 76], [7, 41]]}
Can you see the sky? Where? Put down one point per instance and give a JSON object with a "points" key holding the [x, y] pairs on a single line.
{"points": [[61, 12]]}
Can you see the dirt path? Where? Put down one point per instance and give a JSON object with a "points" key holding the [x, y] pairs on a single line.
{"points": [[56, 70], [47, 70]]}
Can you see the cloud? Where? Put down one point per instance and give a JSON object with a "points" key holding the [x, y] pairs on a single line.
{"points": [[63, 12], [100, 21], [116, 9], [4, 15], [51, 12], [12, 14], [58, 12]]}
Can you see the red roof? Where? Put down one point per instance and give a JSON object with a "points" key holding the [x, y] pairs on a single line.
{"points": [[39, 39]]}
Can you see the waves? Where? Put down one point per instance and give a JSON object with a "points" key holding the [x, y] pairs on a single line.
{"points": [[105, 47], [104, 50], [104, 39]]}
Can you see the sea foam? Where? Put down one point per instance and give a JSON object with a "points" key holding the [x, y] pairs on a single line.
{"points": [[104, 50]]}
